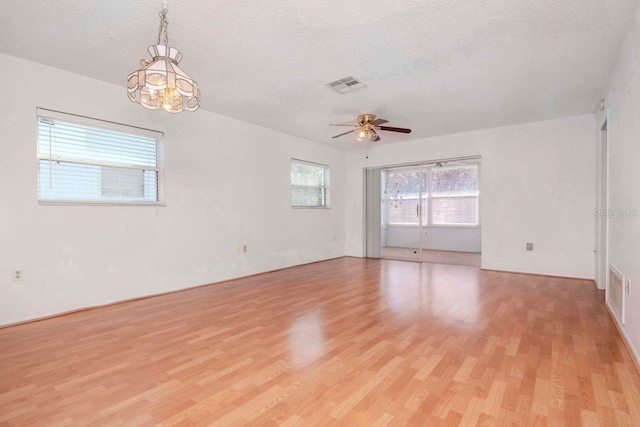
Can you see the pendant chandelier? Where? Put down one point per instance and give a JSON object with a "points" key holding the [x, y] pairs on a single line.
{"points": [[160, 83]]}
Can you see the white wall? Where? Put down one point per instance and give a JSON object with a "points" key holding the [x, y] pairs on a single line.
{"points": [[623, 103], [461, 239], [227, 184], [537, 183]]}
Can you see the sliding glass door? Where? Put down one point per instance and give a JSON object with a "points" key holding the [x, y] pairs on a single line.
{"points": [[425, 212], [403, 212]]}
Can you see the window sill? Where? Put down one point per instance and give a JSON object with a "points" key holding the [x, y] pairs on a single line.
{"points": [[476, 226], [453, 226], [79, 203]]}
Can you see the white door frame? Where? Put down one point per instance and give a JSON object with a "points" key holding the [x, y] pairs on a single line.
{"points": [[602, 209]]}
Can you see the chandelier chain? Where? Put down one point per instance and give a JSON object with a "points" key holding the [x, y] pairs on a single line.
{"points": [[164, 24]]}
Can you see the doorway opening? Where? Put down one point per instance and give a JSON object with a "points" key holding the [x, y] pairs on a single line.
{"points": [[428, 212]]}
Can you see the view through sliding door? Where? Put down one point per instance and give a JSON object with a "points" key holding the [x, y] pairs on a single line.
{"points": [[403, 212]]}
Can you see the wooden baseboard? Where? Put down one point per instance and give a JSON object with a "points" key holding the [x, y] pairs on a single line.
{"points": [[625, 339], [93, 307], [541, 275]]}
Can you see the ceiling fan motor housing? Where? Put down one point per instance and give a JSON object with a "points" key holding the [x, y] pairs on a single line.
{"points": [[365, 119]]}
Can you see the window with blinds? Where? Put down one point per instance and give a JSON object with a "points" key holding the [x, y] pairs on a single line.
{"points": [[84, 160], [309, 185]]}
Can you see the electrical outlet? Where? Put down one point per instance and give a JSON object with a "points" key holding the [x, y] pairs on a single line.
{"points": [[17, 275], [244, 249], [529, 246]]}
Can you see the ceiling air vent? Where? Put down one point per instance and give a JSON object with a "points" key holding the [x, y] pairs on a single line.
{"points": [[345, 85]]}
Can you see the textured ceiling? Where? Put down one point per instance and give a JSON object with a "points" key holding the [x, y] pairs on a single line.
{"points": [[436, 66]]}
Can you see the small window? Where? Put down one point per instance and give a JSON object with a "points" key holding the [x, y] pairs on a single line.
{"points": [[87, 161], [454, 195], [309, 185]]}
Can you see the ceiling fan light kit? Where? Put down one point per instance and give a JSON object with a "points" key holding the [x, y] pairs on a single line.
{"points": [[367, 128], [161, 83]]}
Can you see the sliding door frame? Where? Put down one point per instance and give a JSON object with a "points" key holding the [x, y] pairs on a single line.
{"points": [[421, 166]]}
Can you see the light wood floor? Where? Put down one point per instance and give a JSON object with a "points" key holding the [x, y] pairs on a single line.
{"points": [[433, 256], [344, 342]]}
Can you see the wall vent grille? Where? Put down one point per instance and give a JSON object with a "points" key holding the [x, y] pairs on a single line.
{"points": [[346, 85], [615, 298]]}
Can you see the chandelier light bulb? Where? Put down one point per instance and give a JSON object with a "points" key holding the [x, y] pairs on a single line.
{"points": [[169, 98]]}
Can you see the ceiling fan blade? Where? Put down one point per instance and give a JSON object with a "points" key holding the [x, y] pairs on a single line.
{"points": [[378, 122], [332, 124], [392, 129], [351, 131], [376, 137]]}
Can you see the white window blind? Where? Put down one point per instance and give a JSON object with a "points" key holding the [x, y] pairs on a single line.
{"points": [[84, 160], [309, 184]]}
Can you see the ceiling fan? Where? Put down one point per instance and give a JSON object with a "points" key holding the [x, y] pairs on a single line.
{"points": [[367, 126]]}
